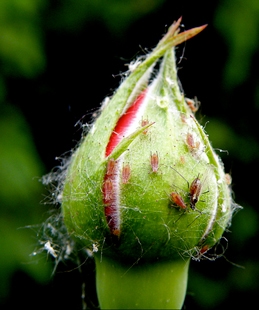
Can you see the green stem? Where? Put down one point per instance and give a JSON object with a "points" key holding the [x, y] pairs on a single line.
{"points": [[160, 285]]}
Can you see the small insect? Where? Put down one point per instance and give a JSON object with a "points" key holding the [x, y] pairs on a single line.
{"points": [[193, 104], [144, 122], [192, 144], [201, 250], [110, 167], [178, 200], [116, 232], [125, 174], [108, 190], [228, 179], [204, 249], [194, 192], [154, 161], [182, 159]]}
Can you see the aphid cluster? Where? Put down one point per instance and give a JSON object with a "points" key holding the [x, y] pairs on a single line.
{"points": [[110, 193], [109, 197], [193, 194]]}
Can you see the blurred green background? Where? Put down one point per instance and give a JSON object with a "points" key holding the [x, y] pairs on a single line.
{"points": [[58, 60]]}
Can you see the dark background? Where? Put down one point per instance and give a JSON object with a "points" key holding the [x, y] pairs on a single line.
{"points": [[58, 61]]}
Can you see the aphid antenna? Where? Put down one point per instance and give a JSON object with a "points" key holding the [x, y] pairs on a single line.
{"points": [[167, 195], [234, 264], [185, 211], [181, 175], [195, 217], [179, 188]]}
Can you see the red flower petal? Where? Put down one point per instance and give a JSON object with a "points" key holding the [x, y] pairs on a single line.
{"points": [[124, 123]]}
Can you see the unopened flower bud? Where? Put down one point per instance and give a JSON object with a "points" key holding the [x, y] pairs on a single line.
{"points": [[145, 182]]}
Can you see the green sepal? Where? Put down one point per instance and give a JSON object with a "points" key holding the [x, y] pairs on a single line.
{"points": [[125, 143]]}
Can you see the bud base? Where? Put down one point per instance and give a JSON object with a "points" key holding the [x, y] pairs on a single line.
{"points": [[160, 285]]}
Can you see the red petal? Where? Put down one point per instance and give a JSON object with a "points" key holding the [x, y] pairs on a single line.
{"points": [[124, 123]]}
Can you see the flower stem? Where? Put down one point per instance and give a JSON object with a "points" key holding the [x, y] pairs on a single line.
{"points": [[160, 285]]}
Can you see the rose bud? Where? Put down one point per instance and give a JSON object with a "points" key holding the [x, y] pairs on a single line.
{"points": [[145, 189]]}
